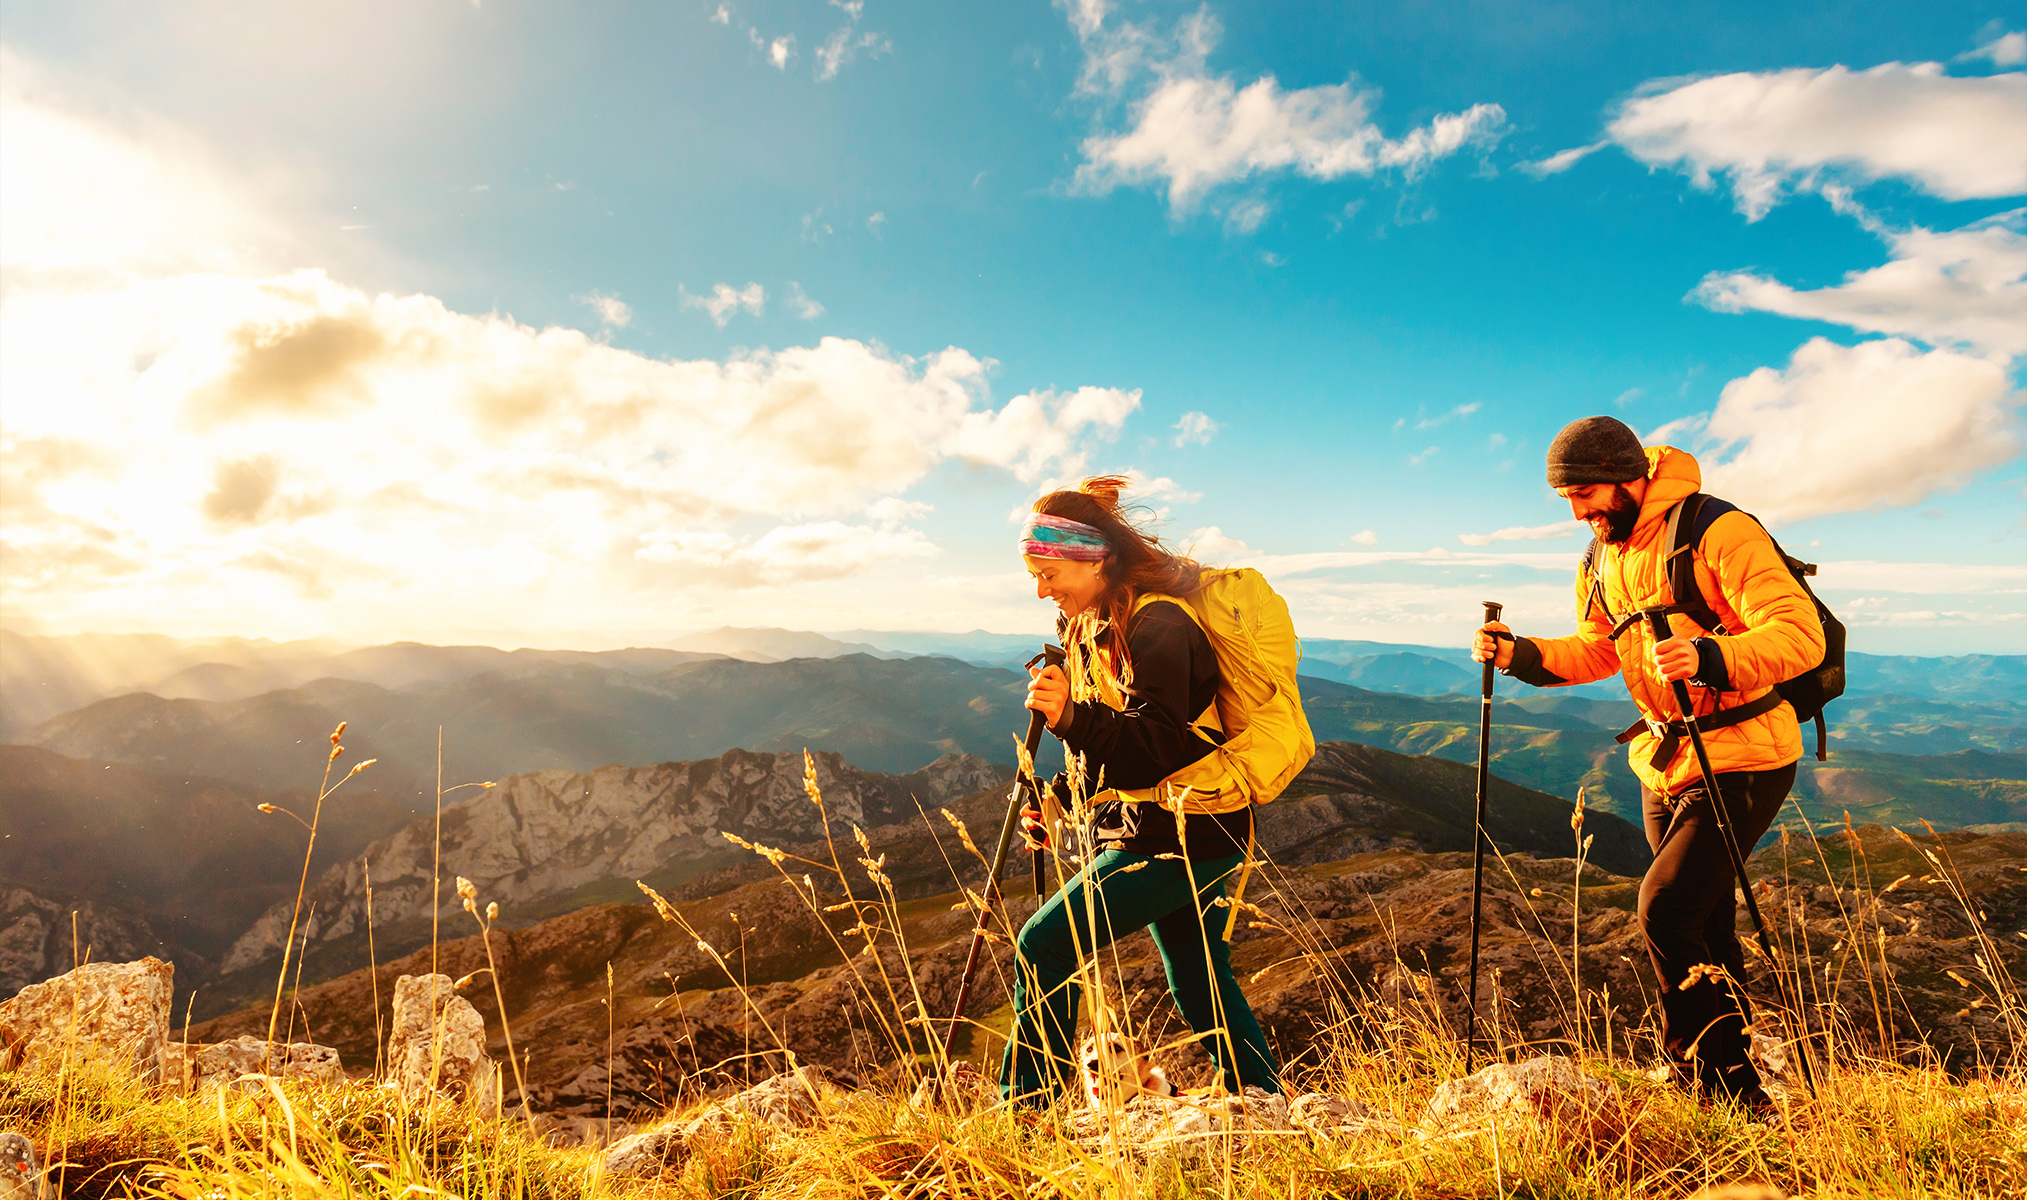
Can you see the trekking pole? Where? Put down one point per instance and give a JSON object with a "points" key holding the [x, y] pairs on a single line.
{"points": [[1492, 610], [1657, 622], [1024, 788]]}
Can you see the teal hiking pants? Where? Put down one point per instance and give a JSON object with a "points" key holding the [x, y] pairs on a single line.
{"points": [[1040, 1060]]}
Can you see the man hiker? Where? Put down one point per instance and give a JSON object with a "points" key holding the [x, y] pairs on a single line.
{"points": [[1768, 631]]}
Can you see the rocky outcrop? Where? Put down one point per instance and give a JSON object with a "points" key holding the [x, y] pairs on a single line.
{"points": [[544, 837], [116, 1012], [36, 938], [792, 1100], [1188, 1123], [438, 1044], [199, 1067], [1549, 1088]]}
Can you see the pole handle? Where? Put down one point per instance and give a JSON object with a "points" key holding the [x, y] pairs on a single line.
{"points": [[1051, 656], [1492, 610]]}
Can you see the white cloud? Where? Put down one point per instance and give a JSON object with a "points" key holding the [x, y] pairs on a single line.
{"points": [[191, 442], [814, 227], [1211, 547], [1042, 431], [723, 16], [1956, 137], [1364, 537], [876, 224], [845, 43], [1962, 287], [1523, 533], [778, 50], [2003, 50], [1245, 215], [1192, 131], [1561, 160], [725, 301], [799, 301], [785, 554], [1849, 428], [1196, 429], [611, 310], [1458, 413], [1416, 460]]}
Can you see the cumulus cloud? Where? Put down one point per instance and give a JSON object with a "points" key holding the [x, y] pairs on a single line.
{"points": [[1041, 431], [612, 311], [2002, 49], [1523, 533], [799, 302], [1192, 131], [1771, 131], [1849, 428], [1212, 547], [1961, 287], [778, 50], [1195, 429], [725, 301], [243, 445]]}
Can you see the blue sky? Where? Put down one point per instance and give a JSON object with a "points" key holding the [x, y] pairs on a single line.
{"points": [[1315, 271]]}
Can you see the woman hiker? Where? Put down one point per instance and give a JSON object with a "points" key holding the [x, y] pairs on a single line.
{"points": [[1086, 557]]}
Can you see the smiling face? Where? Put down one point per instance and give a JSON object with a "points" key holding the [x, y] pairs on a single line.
{"points": [[1073, 586], [1610, 509]]}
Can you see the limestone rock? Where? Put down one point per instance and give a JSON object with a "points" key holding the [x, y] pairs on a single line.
{"points": [[791, 1100], [1548, 1087], [1329, 1116], [439, 1037], [21, 1172], [302, 1062], [116, 1011], [1185, 1122]]}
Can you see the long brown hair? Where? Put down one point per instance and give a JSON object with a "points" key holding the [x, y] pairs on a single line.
{"points": [[1139, 563]]}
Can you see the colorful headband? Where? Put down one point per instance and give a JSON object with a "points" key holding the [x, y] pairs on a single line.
{"points": [[1045, 536]]}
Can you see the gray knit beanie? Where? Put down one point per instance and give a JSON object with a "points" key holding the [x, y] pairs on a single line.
{"points": [[1595, 450]]}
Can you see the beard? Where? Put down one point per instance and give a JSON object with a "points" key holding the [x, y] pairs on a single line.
{"points": [[1622, 515]]}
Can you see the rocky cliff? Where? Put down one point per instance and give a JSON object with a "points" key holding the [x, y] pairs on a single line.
{"points": [[549, 841]]}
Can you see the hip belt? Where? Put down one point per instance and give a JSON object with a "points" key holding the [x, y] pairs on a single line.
{"points": [[1671, 733]]}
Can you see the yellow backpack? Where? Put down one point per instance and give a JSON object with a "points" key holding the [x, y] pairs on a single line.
{"points": [[1266, 738]]}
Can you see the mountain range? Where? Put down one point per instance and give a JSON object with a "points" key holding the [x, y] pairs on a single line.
{"points": [[552, 842], [898, 715]]}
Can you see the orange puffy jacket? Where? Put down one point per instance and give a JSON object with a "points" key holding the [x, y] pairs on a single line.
{"points": [[1773, 632]]}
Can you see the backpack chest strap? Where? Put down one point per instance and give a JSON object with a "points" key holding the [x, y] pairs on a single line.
{"points": [[1671, 733]]}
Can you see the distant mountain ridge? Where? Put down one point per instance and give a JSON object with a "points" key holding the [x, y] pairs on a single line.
{"points": [[897, 715]]}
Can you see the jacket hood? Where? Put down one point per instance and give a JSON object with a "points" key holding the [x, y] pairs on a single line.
{"points": [[1672, 477]]}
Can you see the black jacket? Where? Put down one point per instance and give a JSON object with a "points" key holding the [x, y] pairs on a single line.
{"points": [[1175, 678]]}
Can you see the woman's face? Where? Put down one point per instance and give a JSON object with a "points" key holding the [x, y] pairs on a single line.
{"points": [[1073, 586]]}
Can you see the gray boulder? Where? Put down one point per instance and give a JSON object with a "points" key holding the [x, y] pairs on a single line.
{"points": [[117, 1012], [438, 1044]]}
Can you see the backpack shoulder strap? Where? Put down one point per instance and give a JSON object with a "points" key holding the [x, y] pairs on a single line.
{"points": [[1594, 592], [1687, 524]]}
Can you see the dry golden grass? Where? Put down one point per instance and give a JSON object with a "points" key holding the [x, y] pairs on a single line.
{"points": [[1878, 1126]]}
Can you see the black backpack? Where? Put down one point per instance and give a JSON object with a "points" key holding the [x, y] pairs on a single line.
{"points": [[1807, 692]]}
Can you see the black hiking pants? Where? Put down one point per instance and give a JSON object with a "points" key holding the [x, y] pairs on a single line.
{"points": [[1689, 914]]}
